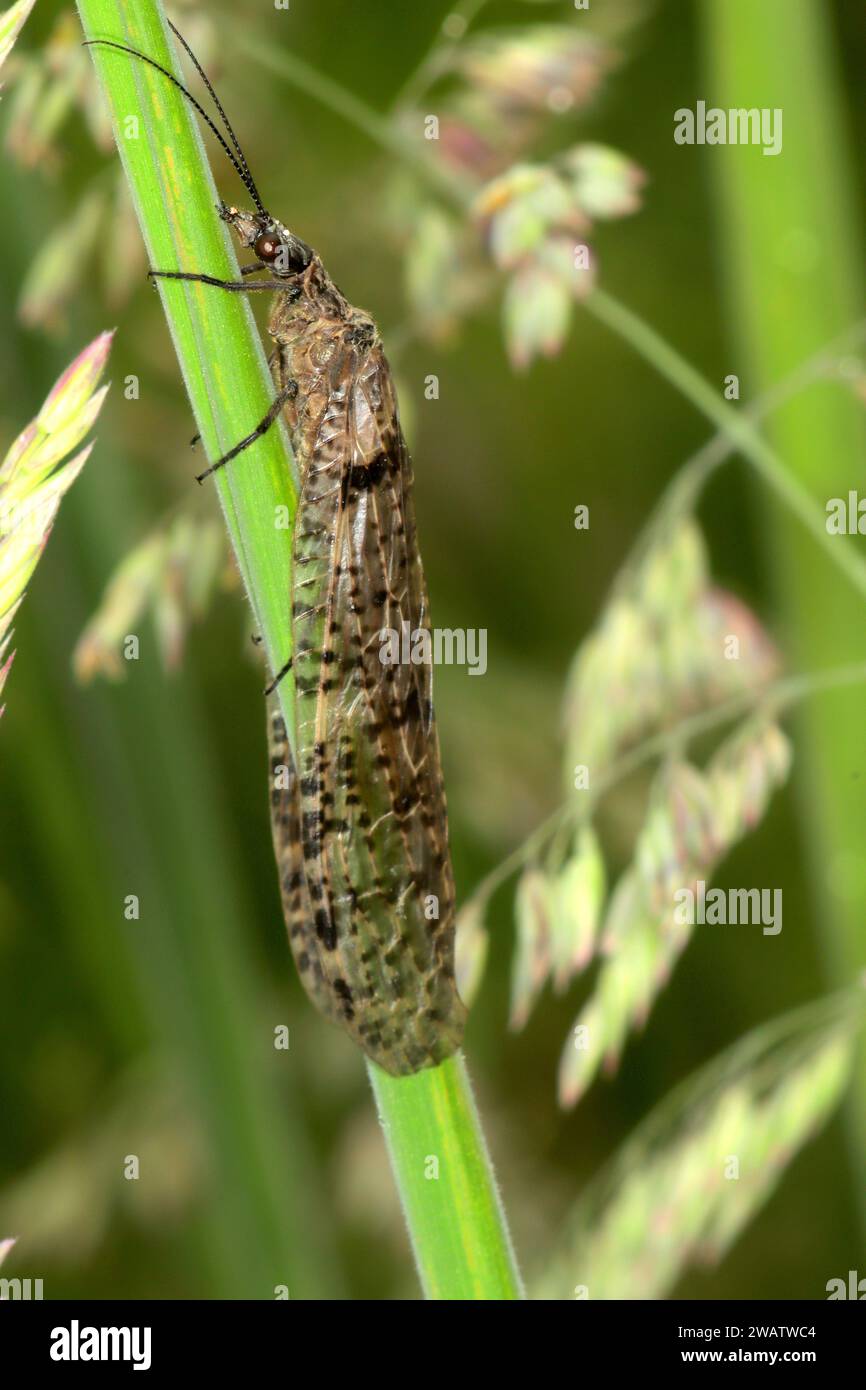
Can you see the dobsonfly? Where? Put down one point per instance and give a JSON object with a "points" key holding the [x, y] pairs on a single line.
{"points": [[359, 818]]}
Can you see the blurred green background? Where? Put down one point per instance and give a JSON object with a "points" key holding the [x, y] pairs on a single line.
{"points": [[154, 1037]]}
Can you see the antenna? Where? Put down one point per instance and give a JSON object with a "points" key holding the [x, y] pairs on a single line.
{"points": [[241, 167], [217, 103]]}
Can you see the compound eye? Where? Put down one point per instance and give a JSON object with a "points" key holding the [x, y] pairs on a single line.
{"points": [[267, 246]]}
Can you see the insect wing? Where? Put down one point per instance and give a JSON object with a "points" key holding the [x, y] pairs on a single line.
{"points": [[371, 895]]}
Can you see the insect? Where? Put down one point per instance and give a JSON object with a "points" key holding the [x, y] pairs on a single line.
{"points": [[358, 812]]}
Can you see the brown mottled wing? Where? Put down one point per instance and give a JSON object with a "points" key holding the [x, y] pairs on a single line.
{"points": [[286, 829], [369, 890]]}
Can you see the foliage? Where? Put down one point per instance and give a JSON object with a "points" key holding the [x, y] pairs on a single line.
{"points": [[34, 478], [699, 1167]]}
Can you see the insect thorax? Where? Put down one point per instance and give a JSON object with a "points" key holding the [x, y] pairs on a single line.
{"points": [[325, 345]]}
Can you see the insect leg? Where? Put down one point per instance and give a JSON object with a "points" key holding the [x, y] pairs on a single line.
{"points": [[283, 671], [271, 359], [287, 393], [243, 285]]}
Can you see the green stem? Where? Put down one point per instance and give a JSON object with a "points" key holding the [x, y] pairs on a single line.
{"points": [[681, 494], [456, 1225], [305, 78], [681, 374], [438, 57], [447, 1188], [387, 134], [214, 333]]}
